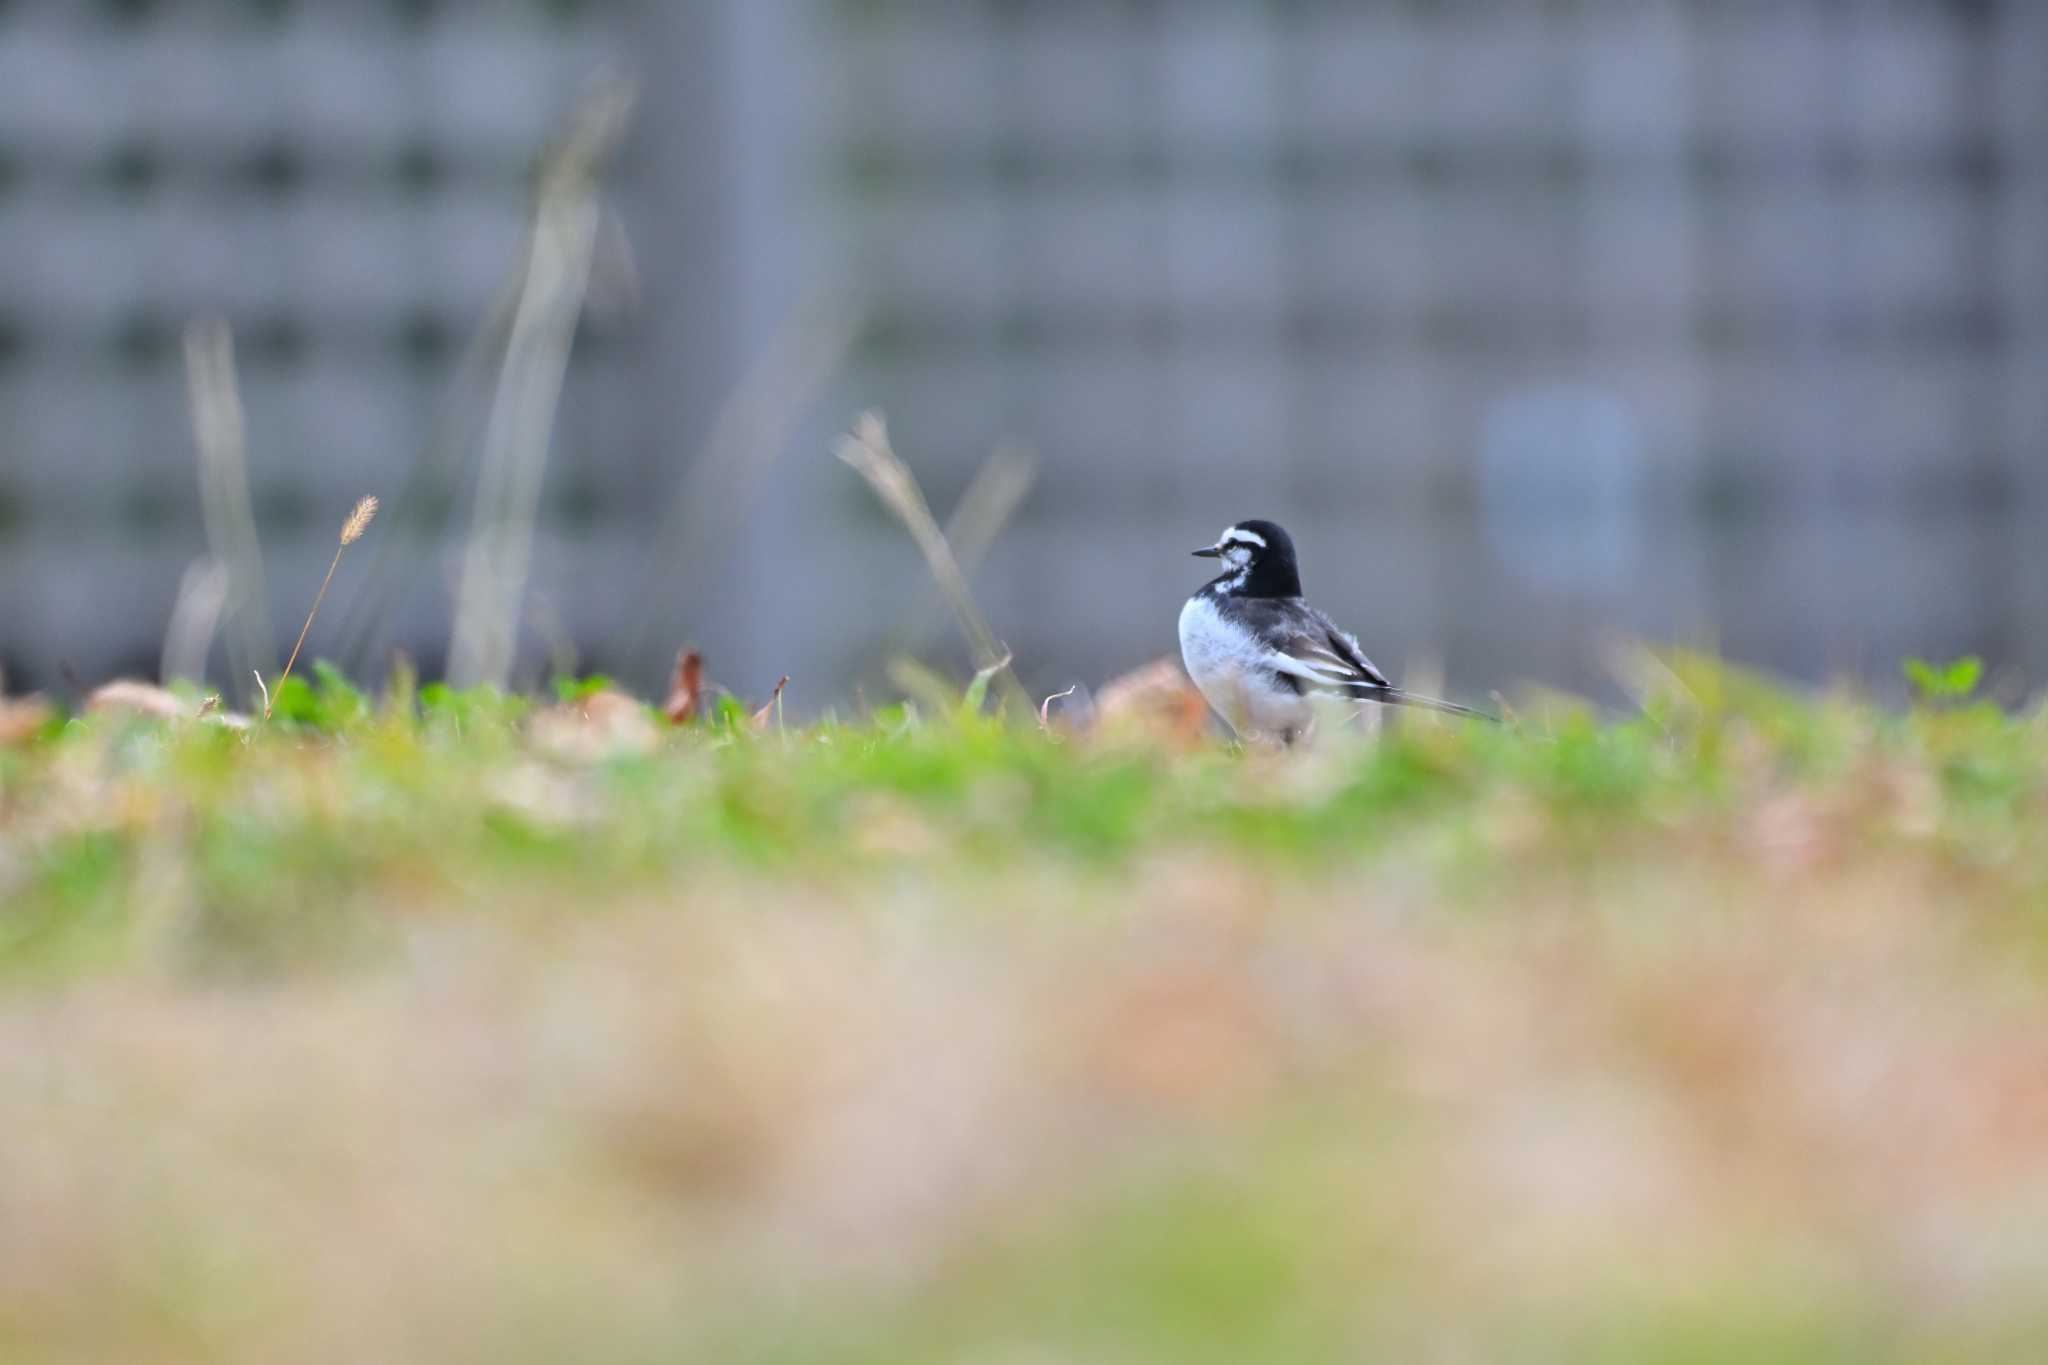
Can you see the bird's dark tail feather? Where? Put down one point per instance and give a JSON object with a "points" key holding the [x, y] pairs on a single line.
{"points": [[1394, 696]]}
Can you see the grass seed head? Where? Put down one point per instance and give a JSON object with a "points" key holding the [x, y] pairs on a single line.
{"points": [[358, 521]]}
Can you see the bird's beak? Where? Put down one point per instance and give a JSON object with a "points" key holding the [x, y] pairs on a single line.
{"points": [[1211, 553]]}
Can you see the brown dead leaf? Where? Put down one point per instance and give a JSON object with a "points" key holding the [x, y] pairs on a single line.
{"points": [[767, 713], [686, 689], [605, 724], [23, 718], [136, 698], [1155, 702], [132, 696]]}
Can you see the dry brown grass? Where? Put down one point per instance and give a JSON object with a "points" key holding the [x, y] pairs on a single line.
{"points": [[868, 452], [351, 532], [1813, 1093]]}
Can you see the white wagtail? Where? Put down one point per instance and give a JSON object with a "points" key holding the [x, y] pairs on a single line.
{"points": [[1262, 656]]}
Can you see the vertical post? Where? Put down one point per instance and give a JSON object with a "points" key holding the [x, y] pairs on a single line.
{"points": [[722, 231], [681, 228], [2017, 37]]}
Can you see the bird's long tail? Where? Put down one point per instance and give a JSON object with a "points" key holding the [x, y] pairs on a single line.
{"points": [[1394, 696]]}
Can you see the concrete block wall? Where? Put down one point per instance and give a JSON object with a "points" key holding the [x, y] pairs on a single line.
{"points": [[1328, 262], [1537, 321]]}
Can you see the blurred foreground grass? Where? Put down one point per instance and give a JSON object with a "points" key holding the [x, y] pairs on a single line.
{"points": [[457, 1028]]}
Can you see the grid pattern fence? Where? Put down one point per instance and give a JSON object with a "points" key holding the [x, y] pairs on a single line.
{"points": [[1721, 320], [346, 183], [1687, 317]]}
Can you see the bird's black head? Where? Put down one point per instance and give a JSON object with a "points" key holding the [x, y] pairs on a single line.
{"points": [[1260, 561]]}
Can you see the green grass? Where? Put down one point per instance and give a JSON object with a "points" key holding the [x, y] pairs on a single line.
{"points": [[462, 1026]]}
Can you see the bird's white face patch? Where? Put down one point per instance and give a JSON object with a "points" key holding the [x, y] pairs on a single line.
{"points": [[1237, 545]]}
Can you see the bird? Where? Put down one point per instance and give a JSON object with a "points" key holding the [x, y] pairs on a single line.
{"points": [[1262, 656]]}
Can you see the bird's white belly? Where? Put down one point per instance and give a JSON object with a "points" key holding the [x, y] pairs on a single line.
{"points": [[1225, 663]]}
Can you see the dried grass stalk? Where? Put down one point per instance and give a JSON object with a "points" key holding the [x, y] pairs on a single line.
{"points": [[773, 710], [221, 435], [868, 451], [499, 553], [997, 490], [195, 619], [358, 521], [351, 532]]}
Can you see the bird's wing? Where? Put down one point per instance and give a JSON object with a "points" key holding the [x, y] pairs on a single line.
{"points": [[1308, 647], [1305, 645], [1344, 646]]}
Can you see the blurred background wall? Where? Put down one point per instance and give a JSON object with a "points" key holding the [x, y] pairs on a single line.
{"points": [[1536, 322]]}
